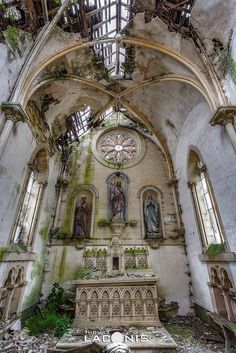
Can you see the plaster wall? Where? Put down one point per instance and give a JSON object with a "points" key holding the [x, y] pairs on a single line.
{"points": [[213, 145], [13, 172], [167, 259]]}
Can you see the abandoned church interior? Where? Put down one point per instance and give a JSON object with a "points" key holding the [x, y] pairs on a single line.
{"points": [[118, 163]]}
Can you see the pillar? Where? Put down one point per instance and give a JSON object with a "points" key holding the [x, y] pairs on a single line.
{"points": [[225, 116], [13, 114]]}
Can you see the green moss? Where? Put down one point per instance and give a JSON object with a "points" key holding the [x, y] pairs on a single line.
{"points": [[103, 222], [43, 232], [17, 247], [17, 41], [17, 186], [33, 297], [88, 166], [232, 66], [73, 183], [37, 269], [161, 292], [62, 263], [179, 331], [3, 252], [215, 249]]}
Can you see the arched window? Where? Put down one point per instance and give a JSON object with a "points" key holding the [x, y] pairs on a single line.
{"points": [[205, 206], [31, 200]]}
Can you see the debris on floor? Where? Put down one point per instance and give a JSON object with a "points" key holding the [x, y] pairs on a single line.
{"points": [[194, 336]]}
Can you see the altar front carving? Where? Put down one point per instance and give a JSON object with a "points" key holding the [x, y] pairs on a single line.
{"points": [[122, 301]]}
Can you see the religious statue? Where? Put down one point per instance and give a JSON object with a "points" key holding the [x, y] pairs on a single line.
{"points": [[151, 216], [117, 201], [82, 218]]}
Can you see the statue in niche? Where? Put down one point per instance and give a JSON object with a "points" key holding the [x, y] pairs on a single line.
{"points": [[82, 218], [151, 216], [117, 201]]}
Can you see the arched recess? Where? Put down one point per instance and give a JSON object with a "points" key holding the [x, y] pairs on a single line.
{"points": [[83, 215], [217, 294], [31, 200], [117, 196], [75, 218], [11, 293], [151, 199], [221, 290], [204, 202]]}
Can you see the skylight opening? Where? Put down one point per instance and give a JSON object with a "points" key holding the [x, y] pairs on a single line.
{"points": [[76, 127]]}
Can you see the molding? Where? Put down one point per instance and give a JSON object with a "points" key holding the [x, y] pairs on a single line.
{"points": [[90, 187], [19, 257], [224, 257], [14, 112], [224, 115], [148, 187], [104, 282]]}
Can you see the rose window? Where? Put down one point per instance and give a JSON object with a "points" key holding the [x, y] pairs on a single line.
{"points": [[118, 148]]}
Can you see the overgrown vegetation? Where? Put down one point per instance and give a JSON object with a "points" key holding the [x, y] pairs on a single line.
{"points": [[84, 273], [49, 318], [103, 222]]}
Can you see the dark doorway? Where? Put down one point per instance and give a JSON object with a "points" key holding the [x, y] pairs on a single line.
{"points": [[115, 263]]}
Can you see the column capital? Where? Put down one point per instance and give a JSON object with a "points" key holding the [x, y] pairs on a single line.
{"points": [[224, 115], [172, 182], [14, 112]]}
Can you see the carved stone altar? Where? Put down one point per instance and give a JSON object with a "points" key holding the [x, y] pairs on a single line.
{"points": [[125, 301]]}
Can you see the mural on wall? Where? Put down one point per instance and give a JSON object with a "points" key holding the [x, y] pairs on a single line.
{"points": [[82, 217]]}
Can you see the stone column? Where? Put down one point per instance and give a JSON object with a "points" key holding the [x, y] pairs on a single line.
{"points": [[110, 308], [88, 308], [8, 302], [228, 305], [13, 114], [99, 308], [225, 116], [122, 308], [173, 183], [133, 308]]}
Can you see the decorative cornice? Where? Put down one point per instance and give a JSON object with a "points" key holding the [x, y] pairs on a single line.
{"points": [[14, 112], [224, 115]]}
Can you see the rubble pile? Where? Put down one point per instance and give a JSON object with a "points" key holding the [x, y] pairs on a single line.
{"points": [[20, 342], [194, 336]]}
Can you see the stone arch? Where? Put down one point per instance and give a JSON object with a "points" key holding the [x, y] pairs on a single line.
{"points": [[138, 307], [116, 303], [217, 293], [203, 200], [31, 199], [225, 281], [150, 303], [127, 297], [214, 276], [94, 304], [20, 276], [10, 280], [105, 304]]}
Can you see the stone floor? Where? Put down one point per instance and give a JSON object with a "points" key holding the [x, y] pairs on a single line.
{"points": [[190, 333]]}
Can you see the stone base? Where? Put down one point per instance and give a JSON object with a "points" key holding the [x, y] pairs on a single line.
{"points": [[139, 340]]}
